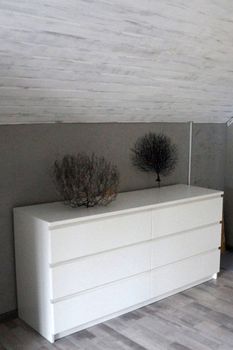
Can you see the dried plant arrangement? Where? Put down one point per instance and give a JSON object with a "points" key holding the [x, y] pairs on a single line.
{"points": [[86, 180], [155, 153]]}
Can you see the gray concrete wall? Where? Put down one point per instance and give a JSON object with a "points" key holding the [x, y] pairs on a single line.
{"points": [[208, 161], [228, 198], [27, 153]]}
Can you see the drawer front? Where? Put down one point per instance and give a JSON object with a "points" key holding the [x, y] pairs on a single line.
{"points": [[96, 270], [177, 275], [104, 301], [183, 245], [186, 216], [90, 237]]}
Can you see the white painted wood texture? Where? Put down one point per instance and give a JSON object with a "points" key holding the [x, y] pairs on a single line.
{"points": [[32, 274], [71, 275], [99, 269], [57, 214], [100, 302], [123, 61], [183, 218], [184, 272], [87, 238], [183, 245]]}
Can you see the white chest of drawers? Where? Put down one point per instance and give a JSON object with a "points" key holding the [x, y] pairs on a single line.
{"points": [[79, 267]]}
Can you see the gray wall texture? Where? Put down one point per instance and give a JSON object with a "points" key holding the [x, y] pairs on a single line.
{"points": [[27, 153], [208, 160]]}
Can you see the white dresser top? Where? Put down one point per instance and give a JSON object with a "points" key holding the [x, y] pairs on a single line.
{"points": [[57, 213]]}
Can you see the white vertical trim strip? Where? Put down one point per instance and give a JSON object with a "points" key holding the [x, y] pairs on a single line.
{"points": [[190, 152]]}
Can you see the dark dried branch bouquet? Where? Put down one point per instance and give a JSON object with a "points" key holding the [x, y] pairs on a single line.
{"points": [[86, 180], [155, 153]]}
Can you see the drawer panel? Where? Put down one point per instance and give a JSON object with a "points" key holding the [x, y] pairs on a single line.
{"points": [[183, 217], [92, 271], [90, 237], [183, 245], [104, 301], [168, 278]]}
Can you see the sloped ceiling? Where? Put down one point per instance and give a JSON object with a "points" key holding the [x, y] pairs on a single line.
{"points": [[116, 61]]}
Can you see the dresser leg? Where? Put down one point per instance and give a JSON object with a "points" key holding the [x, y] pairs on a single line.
{"points": [[215, 276], [51, 338]]}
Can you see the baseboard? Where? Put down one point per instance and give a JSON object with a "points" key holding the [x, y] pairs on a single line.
{"points": [[10, 315]]}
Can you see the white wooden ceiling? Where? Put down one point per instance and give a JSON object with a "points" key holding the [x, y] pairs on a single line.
{"points": [[116, 61]]}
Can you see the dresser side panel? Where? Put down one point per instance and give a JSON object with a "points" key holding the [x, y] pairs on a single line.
{"points": [[32, 251]]}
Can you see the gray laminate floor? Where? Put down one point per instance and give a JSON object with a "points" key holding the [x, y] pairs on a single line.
{"points": [[200, 318], [227, 261]]}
